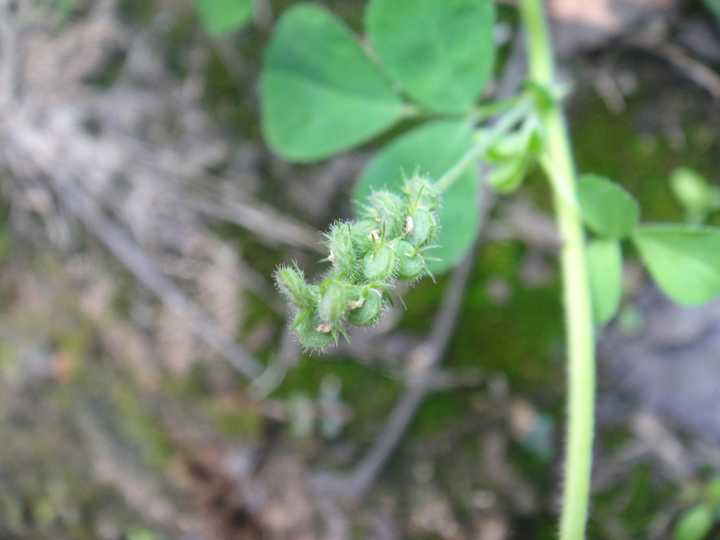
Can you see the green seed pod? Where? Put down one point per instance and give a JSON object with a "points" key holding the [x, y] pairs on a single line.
{"points": [[411, 264], [508, 176], [311, 332], [387, 210], [510, 147], [334, 301], [291, 282], [421, 227], [421, 192], [369, 309], [341, 249], [363, 233], [380, 263]]}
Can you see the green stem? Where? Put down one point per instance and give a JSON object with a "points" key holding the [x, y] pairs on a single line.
{"points": [[484, 111], [559, 167]]}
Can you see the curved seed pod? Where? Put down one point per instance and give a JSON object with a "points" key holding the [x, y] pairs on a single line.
{"points": [[387, 210], [369, 309], [512, 146], [310, 331], [291, 282], [508, 176], [411, 264], [424, 227], [363, 236], [334, 301], [380, 263], [341, 249]]}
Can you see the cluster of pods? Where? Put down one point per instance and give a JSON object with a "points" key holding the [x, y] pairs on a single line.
{"points": [[389, 242]]}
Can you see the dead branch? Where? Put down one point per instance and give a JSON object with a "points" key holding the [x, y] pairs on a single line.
{"points": [[124, 249]]}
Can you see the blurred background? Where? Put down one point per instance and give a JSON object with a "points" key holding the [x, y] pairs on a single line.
{"points": [[149, 387]]}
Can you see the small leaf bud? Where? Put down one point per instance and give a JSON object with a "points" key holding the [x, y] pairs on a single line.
{"points": [[421, 192], [387, 210]]}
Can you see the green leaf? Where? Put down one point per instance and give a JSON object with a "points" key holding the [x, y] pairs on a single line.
{"points": [[441, 52], [607, 208], [432, 149], [320, 92], [695, 524], [223, 16], [683, 260], [605, 268]]}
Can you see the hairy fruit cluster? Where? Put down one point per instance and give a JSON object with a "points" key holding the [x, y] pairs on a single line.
{"points": [[388, 243]]}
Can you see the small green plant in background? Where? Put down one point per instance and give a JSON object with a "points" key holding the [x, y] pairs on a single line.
{"points": [[698, 198], [221, 17], [698, 520], [142, 534], [431, 61], [714, 7]]}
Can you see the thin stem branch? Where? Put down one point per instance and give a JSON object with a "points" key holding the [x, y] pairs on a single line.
{"points": [[559, 167], [122, 246]]}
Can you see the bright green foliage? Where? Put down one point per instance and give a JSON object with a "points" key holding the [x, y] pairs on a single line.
{"points": [[695, 524], [607, 208], [605, 268], [431, 150], [320, 92], [684, 260], [368, 257], [695, 194], [441, 53], [223, 16]]}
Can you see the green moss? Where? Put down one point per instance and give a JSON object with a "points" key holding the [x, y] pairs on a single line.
{"points": [[236, 424], [640, 496], [611, 144], [369, 393], [141, 427], [521, 337], [439, 410], [138, 11]]}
